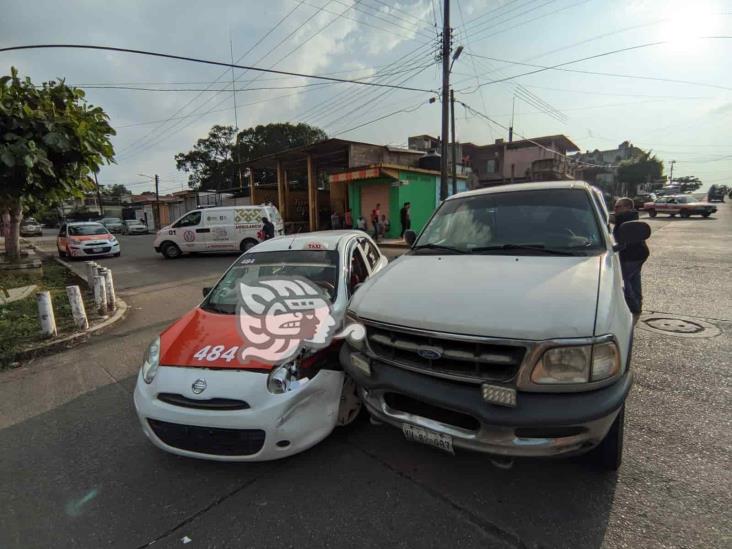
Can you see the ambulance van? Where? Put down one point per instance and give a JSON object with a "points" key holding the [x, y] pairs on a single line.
{"points": [[219, 229]]}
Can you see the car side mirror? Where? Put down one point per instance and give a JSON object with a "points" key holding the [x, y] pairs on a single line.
{"points": [[206, 290], [410, 236], [633, 232]]}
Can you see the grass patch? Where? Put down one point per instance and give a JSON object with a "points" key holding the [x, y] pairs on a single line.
{"points": [[19, 324]]}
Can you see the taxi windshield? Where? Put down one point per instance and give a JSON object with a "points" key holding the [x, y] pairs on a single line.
{"points": [[318, 266], [86, 230]]}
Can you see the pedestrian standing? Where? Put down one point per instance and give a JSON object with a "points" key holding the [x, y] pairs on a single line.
{"points": [[268, 229], [383, 225], [404, 218], [632, 258], [348, 219], [361, 223], [375, 217], [335, 221]]}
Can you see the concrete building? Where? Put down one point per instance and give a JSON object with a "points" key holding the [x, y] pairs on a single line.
{"points": [[600, 167], [537, 159]]}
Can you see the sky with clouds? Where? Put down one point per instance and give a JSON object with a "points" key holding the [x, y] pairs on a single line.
{"points": [[672, 93]]}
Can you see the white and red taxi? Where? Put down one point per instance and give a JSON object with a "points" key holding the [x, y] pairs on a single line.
{"points": [[85, 239], [196, 398]]}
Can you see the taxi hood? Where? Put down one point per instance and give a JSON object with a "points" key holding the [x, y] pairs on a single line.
{"points": [[184, 339], [505, 296]]}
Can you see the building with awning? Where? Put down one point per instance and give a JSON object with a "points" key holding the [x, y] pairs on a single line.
{"points": [[309, 183]]}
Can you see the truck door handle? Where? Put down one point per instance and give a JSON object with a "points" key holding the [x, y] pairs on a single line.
{"points": [[203, 230]]}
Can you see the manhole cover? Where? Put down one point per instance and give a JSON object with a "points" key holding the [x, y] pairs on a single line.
{"points": [[678, 326]]}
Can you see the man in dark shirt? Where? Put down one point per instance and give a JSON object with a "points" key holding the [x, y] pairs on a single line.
{"points": [[404, 217], [632, 258], [268, 228]]}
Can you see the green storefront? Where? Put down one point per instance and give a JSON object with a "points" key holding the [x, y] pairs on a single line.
{"points": [[392, 186]]}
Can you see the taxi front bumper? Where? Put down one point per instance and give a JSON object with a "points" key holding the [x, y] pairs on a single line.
{"points": [[236, 418]]}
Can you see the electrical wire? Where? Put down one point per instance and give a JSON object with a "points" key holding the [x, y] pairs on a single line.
{"points": [[558, 66]]}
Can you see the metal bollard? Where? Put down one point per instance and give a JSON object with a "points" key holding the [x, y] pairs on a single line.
{"points": [[100, 294], [77, 307], [45, 314], [109, 285]]}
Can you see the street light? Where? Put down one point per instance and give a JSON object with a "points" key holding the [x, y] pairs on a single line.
{"points": [[455, 56]]}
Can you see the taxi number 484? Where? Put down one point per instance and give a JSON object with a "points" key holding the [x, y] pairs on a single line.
{"points": [[210, 353]]}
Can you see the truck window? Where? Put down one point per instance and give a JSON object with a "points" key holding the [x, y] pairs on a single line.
{"points": [[190, 220]]}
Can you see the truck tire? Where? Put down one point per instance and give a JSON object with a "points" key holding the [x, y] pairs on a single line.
{"points": [[651, 213], [170, 250], [247, 244], [609, 453]]}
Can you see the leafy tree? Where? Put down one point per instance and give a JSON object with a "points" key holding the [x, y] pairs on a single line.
{"points": [[688, 183], [212, 163], [50, 143], [115, 191], [644, 167]]}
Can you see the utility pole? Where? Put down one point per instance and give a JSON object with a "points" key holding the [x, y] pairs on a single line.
{"points": [[671, 176], [236, 115], [445, 98], [99, 195], [513, 110], [454, 143], [157, 202]]}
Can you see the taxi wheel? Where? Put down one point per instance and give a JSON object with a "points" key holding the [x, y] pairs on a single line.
{"points": [[61, 253], [652, 213], [706, 214], [117, 254], [170, 250], [351, 407], [685, 214], [609, 453], [247, 244]]}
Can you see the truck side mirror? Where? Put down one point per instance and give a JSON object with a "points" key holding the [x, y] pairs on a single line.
{"points": [[633, 232], [206, 290], [410, 236]]}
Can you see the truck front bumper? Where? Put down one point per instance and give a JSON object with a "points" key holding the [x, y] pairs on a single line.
{"points": [[541, 424]]}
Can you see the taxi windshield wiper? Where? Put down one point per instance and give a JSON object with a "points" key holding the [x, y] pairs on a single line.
{"points": [[433, 246], [527, 247]]}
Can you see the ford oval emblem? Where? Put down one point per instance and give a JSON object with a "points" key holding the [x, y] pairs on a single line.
{"points": [[429, 353], [199, 386]]}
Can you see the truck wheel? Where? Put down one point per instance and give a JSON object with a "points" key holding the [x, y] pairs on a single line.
{"points": [[351, 407], [247, 244], [651, 213], [609, 453], [170, 250]]}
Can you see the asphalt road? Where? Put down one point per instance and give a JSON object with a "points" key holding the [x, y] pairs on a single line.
{"points": [[76, 471]]}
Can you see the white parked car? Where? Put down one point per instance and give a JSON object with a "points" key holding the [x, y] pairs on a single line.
{"points": [[220, 229], [86, 239], [504, 329], [134, 226], [196, 397]]}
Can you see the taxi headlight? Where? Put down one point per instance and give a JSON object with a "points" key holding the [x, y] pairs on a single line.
{"points": [[74, 242], [282, 378], [577, 364], [151, 361]]}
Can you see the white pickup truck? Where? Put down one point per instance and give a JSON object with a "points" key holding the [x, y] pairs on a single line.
{"points": [[504, 329]]}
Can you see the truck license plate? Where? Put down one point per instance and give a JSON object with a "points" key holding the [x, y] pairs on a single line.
{"points": [[431, 438]]}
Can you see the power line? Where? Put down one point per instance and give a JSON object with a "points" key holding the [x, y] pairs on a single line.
{"points": [[482, 115], [542, 68]]}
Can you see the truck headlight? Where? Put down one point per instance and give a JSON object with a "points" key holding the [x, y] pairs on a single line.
{"points": [[151, 361], [605, 361], [563, 365], [577, 364], [355, 331]]}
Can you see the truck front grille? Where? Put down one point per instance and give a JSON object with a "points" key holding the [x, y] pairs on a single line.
{"points": [[460, 359]]}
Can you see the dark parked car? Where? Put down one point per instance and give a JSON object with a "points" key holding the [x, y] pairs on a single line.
{"points": [[715, 194]]}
